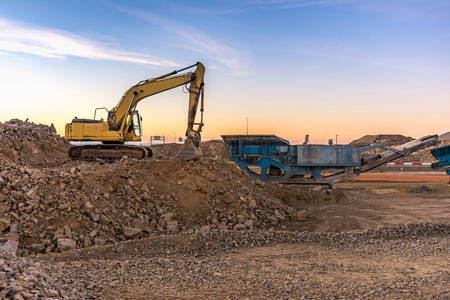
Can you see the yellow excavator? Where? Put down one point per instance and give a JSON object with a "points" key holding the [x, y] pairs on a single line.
{"points": [[124, 123]]}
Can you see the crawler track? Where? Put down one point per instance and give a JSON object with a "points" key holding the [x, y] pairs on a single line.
{"points": [[108, 152]]}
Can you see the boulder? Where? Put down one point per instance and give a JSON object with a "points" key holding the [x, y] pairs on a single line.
{"points": [[252, 204], [172, 227], [65, 244], [248, 224], [240, 227], [4, 224], [9, 245], [300, 216], [132, 233], [204, 228]]}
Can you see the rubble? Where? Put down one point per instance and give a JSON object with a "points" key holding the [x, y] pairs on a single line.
{"points": [[56, 209], [27, 143], [71, 229], [25, 278]]}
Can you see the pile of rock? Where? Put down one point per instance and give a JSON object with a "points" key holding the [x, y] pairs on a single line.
{"points": [[23, 278], [84, 204], [31, 144], [20, 123]]}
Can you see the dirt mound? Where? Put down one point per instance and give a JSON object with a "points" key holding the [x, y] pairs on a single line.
{"points": [[31, 144], [213, 148], [385, 139], [445, 136], [82, 204]]}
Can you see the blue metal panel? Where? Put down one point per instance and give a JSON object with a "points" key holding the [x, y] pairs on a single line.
{"points": [[328, 155], [443, 154]]}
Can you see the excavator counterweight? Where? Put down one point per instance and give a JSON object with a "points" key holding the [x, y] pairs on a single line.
{"points": [[124, 122]]}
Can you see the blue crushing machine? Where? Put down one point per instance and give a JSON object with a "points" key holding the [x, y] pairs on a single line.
{"points": [[443, 154], [271, 158]]}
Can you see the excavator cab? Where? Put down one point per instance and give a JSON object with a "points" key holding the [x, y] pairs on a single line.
{"points": [[135, 125]]}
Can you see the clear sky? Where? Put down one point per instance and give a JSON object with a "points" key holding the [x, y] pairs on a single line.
{"points": [[292, 67]]}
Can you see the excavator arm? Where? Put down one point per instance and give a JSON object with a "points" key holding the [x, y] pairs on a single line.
{"points": [[117, 117]]}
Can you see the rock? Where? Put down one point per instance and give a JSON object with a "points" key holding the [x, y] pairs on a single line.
{"points": [[222, 227], [94, 216], [319, 188], [4, 208], [240, 227], [300, 216], [16, 194], [50, 248], [204, 228], [172, 227], [273, 219], [9, 246], [240, 219], [132, 233], [252, 204], [63, 206], [53, 293], [18, 297], [146, 227], [88, 207], [28, 295], [169, 217], [38, 248], [13, 228], [279, 215], [4, 224], [227, 198], [65, 244], [99, 241], [248, 224], [17, 184]]}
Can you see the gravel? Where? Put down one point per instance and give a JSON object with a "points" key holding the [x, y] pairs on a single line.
{"points": [[386, 262]]}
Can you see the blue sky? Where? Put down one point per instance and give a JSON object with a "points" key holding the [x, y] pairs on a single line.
{"points": [[322, 67]]}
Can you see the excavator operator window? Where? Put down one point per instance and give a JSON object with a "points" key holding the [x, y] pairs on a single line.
{"points": [[136, 124]]}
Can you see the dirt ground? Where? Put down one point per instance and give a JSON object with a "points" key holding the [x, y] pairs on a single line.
{"points": [[404, 177], [354, 244]]}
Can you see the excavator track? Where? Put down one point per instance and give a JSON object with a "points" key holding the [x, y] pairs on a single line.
{"points": [[108, 152]]}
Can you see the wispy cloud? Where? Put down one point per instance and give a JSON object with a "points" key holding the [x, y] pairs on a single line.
{"points": [[287, 4], [195, 40], [183, 9], [59, 44]]}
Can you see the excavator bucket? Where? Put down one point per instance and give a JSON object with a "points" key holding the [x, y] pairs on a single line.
{"points": [[189, 151]]}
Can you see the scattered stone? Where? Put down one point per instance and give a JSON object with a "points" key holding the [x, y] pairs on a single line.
{"points": [[240, 227], [204, 228], [4, 224], [65, 244], [132, 233], [300, 216]]}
